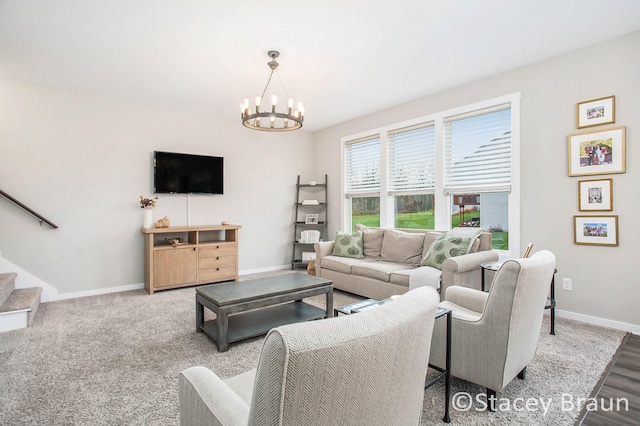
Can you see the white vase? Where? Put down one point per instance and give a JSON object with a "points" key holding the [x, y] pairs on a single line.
{"points": [[148, 218]]}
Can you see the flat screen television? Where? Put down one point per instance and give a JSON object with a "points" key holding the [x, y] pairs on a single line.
{"points": [[175, 173]]}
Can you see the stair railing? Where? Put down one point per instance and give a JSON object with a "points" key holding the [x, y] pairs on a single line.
{"points": [[29, 210]]}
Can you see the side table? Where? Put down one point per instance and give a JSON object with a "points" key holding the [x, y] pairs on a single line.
{"points": [[551, 300]]}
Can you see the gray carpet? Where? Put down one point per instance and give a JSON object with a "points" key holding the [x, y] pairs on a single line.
{"points": [[115, 359]]}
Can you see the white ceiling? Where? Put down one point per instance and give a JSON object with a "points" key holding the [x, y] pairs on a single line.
{"points": [[343, 58]]}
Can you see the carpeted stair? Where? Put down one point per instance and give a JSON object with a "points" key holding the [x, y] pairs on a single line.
{"points": [[15, 302]]}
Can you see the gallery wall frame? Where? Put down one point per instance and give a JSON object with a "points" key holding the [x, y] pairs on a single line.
{"points": [[596, 112], [597, 152], [596, 230], [595, 195]]}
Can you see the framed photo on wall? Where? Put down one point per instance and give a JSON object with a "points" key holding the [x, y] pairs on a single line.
{"points": [[595, 195], [597, 152], [596, 112], [595, 230]]}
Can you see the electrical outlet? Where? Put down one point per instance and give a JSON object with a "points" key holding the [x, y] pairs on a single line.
{"points": [[567, 284]]}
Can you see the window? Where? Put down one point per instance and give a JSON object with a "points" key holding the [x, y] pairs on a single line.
{"points": [[454, 168], [478, 170], [362, 180], [412, 175]]}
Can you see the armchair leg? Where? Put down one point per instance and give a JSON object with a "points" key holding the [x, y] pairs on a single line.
{"points": [[492, 401], [522, 374]]}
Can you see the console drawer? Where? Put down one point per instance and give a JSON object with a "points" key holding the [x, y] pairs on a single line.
{"points": [[215, 250], [217, 274], [216, 262]]}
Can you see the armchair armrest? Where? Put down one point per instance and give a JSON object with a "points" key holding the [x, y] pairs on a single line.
{"points": [[468, 298], [207, 400], [323, 248], [469, 262], [465, 270]]}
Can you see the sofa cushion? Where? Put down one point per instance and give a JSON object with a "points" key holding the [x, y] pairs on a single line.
{"points": [[372, 239], [377, 270], [445, 246], [348, 245], [339, 264], [402, 247]]}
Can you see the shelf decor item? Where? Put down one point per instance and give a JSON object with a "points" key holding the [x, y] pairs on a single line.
{"points": [[596, 230], [596, 112], [595, 195], [148, 204], [597, 152]]}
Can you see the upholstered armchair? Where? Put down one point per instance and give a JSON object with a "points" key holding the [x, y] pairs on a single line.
{"points": [[495, 334], [365, 368]]}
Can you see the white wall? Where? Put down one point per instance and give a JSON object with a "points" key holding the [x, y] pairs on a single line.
{"points": [[82, 161], [605, 279]]}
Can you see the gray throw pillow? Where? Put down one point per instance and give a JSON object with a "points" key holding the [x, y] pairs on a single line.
{"points": [[348, 245], [444, 247]]}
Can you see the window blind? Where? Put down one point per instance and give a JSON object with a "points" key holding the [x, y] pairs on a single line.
{"points": [[478, 151], [362, 166], [412, 159]]}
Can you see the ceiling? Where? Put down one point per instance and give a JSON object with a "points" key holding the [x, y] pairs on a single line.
{"points": [[344, 59]]}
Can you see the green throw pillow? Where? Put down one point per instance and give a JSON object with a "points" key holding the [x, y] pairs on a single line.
{"points": [[349, 245], [444, 247]]}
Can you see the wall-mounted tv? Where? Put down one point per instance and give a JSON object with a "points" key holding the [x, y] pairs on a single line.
{"points": [[175, 173]]}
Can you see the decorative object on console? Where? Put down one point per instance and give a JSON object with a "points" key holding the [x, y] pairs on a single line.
{"points": [[597, 152], [596, 112], [162, 223], [596, 230], [174, 242], [273, 121], [148, 204], [595, 195]]}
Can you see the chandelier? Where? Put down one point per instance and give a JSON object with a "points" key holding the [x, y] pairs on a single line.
{"points": [[269, 119]]}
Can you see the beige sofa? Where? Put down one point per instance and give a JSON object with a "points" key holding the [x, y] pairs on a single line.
{"points": [[391, 262]]}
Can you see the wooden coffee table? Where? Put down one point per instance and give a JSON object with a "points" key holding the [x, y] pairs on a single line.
{"points": [[251, 308]]}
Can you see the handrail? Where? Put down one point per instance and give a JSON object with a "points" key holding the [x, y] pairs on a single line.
{"points": [[22, 206]]}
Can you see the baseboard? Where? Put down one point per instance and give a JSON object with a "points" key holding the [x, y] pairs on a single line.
{"points": [[260, 270], [603, 322], [97, 292]]}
